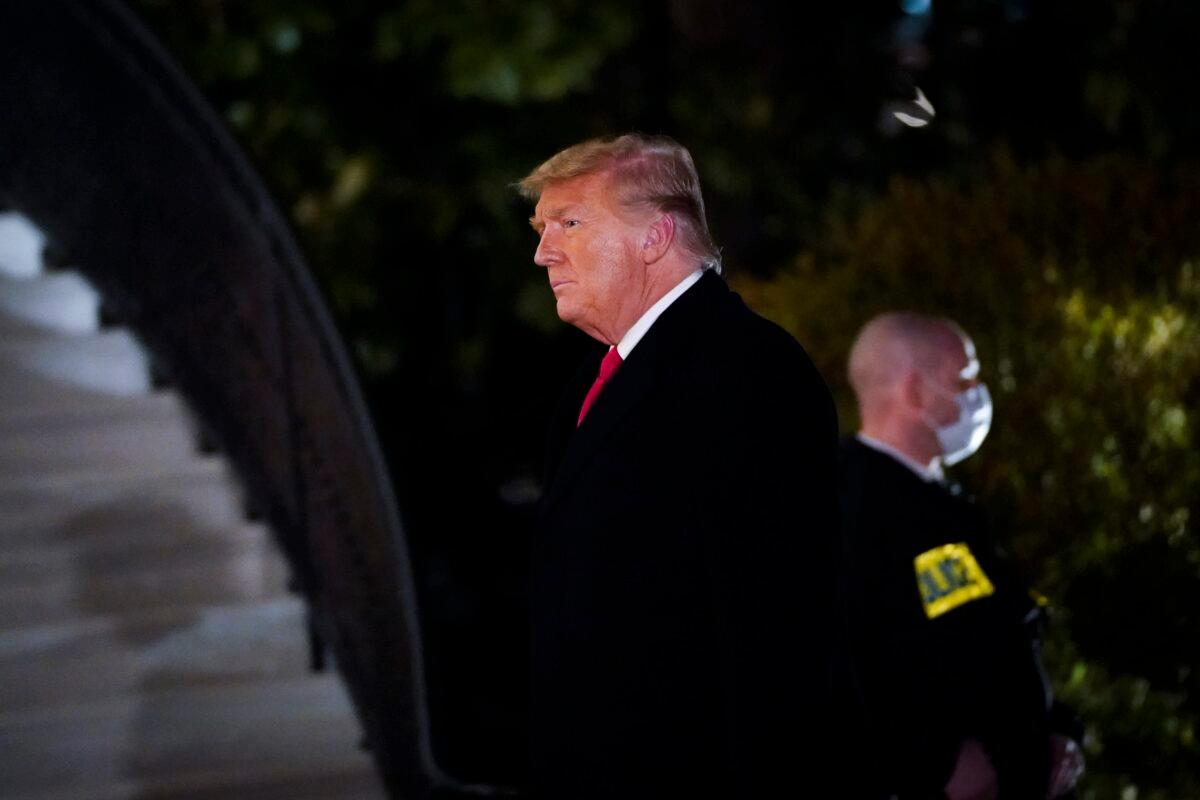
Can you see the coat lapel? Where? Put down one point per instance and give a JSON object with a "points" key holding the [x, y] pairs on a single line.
{"points": [[562, 427], [634, 381]]}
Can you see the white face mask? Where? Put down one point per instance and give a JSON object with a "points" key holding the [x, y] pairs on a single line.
{"points": [[962, 437]]}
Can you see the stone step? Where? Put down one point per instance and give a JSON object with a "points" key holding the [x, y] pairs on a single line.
{"points": [[58, 406], [354, 781], [148, 536], [247, 572], [37, 507], [155, 436], [99, 657], [28, 395], [59, 301], [108, 361], [208, 740], [151, 534], [21, 246], [149, 647]]}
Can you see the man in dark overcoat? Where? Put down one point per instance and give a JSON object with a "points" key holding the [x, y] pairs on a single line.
{"points": [[684, 617]]}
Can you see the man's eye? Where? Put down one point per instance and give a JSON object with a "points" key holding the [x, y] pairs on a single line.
{"points": [[570, 223]]}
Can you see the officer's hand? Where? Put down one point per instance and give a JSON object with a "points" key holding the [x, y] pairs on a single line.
{"points": [[1066, 765], [974, 777]]}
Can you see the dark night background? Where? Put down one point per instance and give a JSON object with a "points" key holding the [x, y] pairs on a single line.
{"points": [[1050, 206]]}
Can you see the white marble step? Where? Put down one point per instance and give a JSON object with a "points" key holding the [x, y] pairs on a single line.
{"points": [[27, 394], [147, 536], [355, 780], [63, 302], [109, 361], [142, 439], [241, 573], [204, 737], [38, 508], [21, 246], [149, 647], [99, 657], [26, 401]]}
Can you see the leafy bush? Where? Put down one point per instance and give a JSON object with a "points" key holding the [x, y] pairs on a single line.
{"points": [[1080, 283]]}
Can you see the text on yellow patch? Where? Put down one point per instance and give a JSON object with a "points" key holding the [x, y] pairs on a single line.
{"points": [[949, 576]]}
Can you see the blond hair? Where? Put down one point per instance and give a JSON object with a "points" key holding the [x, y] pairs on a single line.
{"points": [[648, 172]]}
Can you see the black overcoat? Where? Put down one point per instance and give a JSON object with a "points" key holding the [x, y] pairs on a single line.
{"points": [[683, 598]]}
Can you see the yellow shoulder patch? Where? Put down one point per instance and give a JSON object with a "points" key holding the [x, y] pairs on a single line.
{"points": [[949, 576]]}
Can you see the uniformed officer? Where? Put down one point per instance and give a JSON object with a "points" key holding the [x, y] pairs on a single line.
{"points": [[947, 643]]}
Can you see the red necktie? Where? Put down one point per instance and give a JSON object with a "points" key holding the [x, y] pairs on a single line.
{"points": [[608, 367]]}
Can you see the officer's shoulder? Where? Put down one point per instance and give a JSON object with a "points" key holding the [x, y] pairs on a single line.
{"points": [[875, 485], [862, 470], [857, 458]]}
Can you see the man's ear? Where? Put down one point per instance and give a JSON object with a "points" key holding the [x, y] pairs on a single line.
{"points": [[660, 233], [912, 390]]}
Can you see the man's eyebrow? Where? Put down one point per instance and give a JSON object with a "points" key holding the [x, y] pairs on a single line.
{"points": [[552, 213], [560, 211]]}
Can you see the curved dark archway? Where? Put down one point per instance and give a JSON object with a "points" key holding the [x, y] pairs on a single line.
{"points": [[110, 150]]}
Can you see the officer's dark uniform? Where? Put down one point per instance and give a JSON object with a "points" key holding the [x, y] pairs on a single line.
{"points": [[945, 635]]}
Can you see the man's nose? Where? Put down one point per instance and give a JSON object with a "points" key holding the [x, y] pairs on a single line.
{"points": [[546, 254]]}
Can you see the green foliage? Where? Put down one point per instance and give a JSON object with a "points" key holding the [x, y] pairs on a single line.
{"points": [[381, 128], [1079, 283], [507, 52]]}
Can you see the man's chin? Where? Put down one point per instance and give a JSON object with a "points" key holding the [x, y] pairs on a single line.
{"points": [[577, 319], [567, 312]]}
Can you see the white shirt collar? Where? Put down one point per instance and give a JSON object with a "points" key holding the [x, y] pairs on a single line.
{"points": [[635, 334], [930, 473]]}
